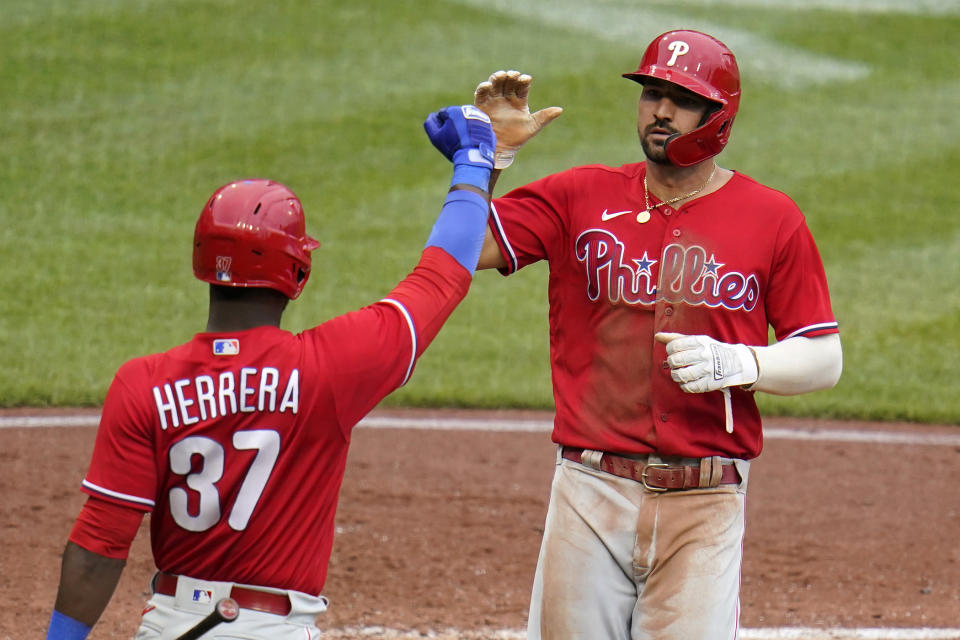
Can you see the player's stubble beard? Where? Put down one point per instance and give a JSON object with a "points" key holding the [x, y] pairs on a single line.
{"points": [[655, 152]]}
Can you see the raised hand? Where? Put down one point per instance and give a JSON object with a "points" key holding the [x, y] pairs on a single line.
{"points": [[503, 97]]}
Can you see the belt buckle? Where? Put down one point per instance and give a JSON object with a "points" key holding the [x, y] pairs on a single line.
{"points": [[643, 475]]}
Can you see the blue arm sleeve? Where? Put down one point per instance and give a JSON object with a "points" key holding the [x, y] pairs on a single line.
{"points": [[461, 226], [63, 627]]}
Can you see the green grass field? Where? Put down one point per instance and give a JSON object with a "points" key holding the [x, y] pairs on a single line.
{"points": [[120, 117]]}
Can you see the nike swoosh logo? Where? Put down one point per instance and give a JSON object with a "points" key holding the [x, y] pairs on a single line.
{"points": [[610, 216]]}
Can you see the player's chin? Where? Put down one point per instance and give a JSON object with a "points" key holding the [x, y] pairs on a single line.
{"points": [[655, 151]]}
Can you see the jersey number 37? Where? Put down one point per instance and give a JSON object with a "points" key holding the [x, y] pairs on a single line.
{"points": [[267, 445]]}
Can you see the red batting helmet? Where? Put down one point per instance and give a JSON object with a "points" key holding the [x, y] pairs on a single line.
{"points": [[252, 233], [705, 66]]}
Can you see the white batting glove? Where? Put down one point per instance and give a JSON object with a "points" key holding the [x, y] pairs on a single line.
{"points": [[700, 363], [504, 98]]}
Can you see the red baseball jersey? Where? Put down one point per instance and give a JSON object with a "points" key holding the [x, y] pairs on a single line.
{"points": [[236, 443], [726, 265]]}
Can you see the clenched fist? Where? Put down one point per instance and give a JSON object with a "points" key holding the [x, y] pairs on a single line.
{"points": [[700, 364]]}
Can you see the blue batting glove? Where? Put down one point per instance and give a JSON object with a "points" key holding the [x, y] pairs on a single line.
{"points": [[455, 128], [465, 136]]}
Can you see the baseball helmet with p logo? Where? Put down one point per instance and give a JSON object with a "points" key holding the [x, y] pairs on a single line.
{"points": [[704, 65], [252, 233]]}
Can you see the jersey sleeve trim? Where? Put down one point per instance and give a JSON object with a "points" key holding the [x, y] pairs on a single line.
{"points": [[101, 491], [501, 238], [821, 328], [413, 336]]}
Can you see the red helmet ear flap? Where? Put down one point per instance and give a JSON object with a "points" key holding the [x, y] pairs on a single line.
{"points": [[704, 142]]}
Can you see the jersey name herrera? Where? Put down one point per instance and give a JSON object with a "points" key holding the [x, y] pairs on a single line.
{"points": [[686, 275], [190, 400]]}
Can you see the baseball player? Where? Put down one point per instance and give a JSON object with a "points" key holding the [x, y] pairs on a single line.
{"points": [[235, 442], [664, 278]]}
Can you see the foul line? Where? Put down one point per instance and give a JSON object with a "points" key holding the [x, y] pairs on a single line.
{"points": [[492, 423], [769, 433]]}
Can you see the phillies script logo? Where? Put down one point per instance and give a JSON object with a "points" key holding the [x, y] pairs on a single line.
{"points": [[685, 275]]}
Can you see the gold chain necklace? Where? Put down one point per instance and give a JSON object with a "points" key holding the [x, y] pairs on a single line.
{"points": [[644, 215]]}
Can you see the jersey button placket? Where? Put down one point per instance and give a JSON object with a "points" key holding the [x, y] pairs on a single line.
{"points": [[664, 310]]}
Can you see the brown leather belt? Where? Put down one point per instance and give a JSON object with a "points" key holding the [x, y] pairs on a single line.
{"points": [[265, 601], [662, 476]]}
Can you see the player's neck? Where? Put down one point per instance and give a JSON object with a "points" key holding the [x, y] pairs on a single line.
{"points": [[672, 178], [224, 323], [668, 181], [255, 308]]}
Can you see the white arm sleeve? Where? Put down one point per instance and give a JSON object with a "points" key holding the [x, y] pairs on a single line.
{"points": [[799, 365]]}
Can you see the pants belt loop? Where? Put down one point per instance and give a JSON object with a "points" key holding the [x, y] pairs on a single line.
{"points": [[711, 472], [591, 458]]}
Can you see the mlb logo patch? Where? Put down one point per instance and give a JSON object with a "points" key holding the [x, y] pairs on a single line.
{"points": [[226, 347], [202, 596]]}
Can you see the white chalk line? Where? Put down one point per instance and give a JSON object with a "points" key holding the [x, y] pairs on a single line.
{"points": [[492, 423]]}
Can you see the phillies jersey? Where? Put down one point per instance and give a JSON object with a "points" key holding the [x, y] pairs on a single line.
{"points": [[727, 265], [236, 443]]}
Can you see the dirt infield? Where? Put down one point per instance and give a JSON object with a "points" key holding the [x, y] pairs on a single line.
{"points": [[439, 529]]}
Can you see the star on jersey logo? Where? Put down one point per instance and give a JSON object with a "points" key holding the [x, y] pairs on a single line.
{"points": [[607, 215], [712, 266], [644, 264]]}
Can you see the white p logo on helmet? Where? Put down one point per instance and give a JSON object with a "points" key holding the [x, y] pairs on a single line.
{"points": [[679, 48]]}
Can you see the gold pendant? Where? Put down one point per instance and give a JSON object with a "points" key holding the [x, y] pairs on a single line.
{"points": [[643, 216]]}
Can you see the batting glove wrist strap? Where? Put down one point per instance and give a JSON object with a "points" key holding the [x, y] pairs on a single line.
{"points": [[63, 627], [472, 166], [503, 158]]}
